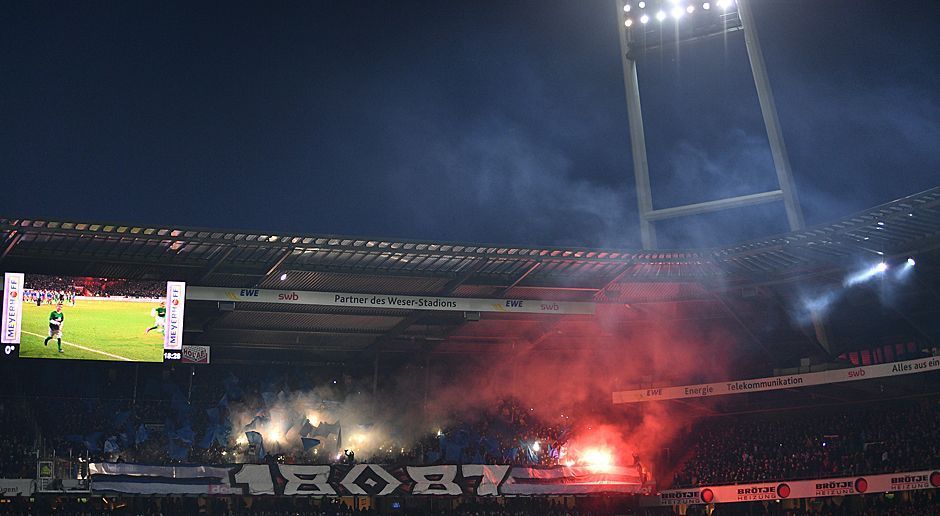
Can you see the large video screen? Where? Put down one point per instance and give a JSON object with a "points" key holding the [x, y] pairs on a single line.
{"points": [[84, 318]]}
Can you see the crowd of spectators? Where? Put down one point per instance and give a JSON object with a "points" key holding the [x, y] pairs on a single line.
{"points": [[94, 287], [506, 434], [46, 408], [925, 502], [921, 503], [830, 442], [156, 414], [304, 506], [17, 441]]}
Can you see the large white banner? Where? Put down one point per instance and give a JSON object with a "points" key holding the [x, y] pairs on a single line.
{"points": [[17, 487], [12, 307], [572, 480], [772, 383], [363, 479], [819, 488], [453, 304], [175, 304]]}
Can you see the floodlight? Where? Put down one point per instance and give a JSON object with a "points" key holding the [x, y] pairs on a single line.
{"points": [[724, 4], [690, 9], [706, 6], [644, 19], [642, 5], [626, 8], [661, 15], [905, 269], [628, 22], [677, 12], [866, 274]]}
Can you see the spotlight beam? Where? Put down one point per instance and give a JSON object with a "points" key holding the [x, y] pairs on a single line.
{"points": [[865, 275]]}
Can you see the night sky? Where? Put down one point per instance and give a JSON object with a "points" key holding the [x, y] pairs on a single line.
{"points": [[499, 122]]}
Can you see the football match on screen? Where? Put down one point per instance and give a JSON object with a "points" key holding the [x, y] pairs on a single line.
{"points": [[93, 319]]}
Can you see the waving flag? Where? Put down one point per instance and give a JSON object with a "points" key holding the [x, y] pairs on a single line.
{"points": [[111, 445], [256, 439], [142, 435], [306, 428]]}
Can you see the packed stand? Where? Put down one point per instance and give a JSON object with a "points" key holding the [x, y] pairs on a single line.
{"points": [[59, 289], [925, 502], [160, 414], [833, 442], [17, 441], [304, 506]]}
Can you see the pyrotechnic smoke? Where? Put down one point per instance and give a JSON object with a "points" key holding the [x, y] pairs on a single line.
{"points": [[553, 381], [280, 422], [558, 381]]}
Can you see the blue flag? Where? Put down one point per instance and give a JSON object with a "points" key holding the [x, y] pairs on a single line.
{"points": [[91, 441], [256, 439], [207, 439], [325, 429], [490, 444], [309, 443], [216, 432], [294, 418], [111, 445], [221, 435], [306, 428], [258, 420], [142, 434], [186, 434], [121, 418], [232, 390], [176, 451]]}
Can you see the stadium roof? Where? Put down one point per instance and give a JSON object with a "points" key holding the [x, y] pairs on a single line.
{"points": [[734, 285]]}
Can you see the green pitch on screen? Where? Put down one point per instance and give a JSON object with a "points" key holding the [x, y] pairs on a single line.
{"points": [[110, 330]]}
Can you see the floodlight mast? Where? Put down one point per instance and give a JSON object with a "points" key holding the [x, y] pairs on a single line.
{"points": [[726, 16], [641, 171], [768, 108]]}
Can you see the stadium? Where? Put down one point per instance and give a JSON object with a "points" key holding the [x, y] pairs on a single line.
{"points": [[541, 380], [767, 364]]}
